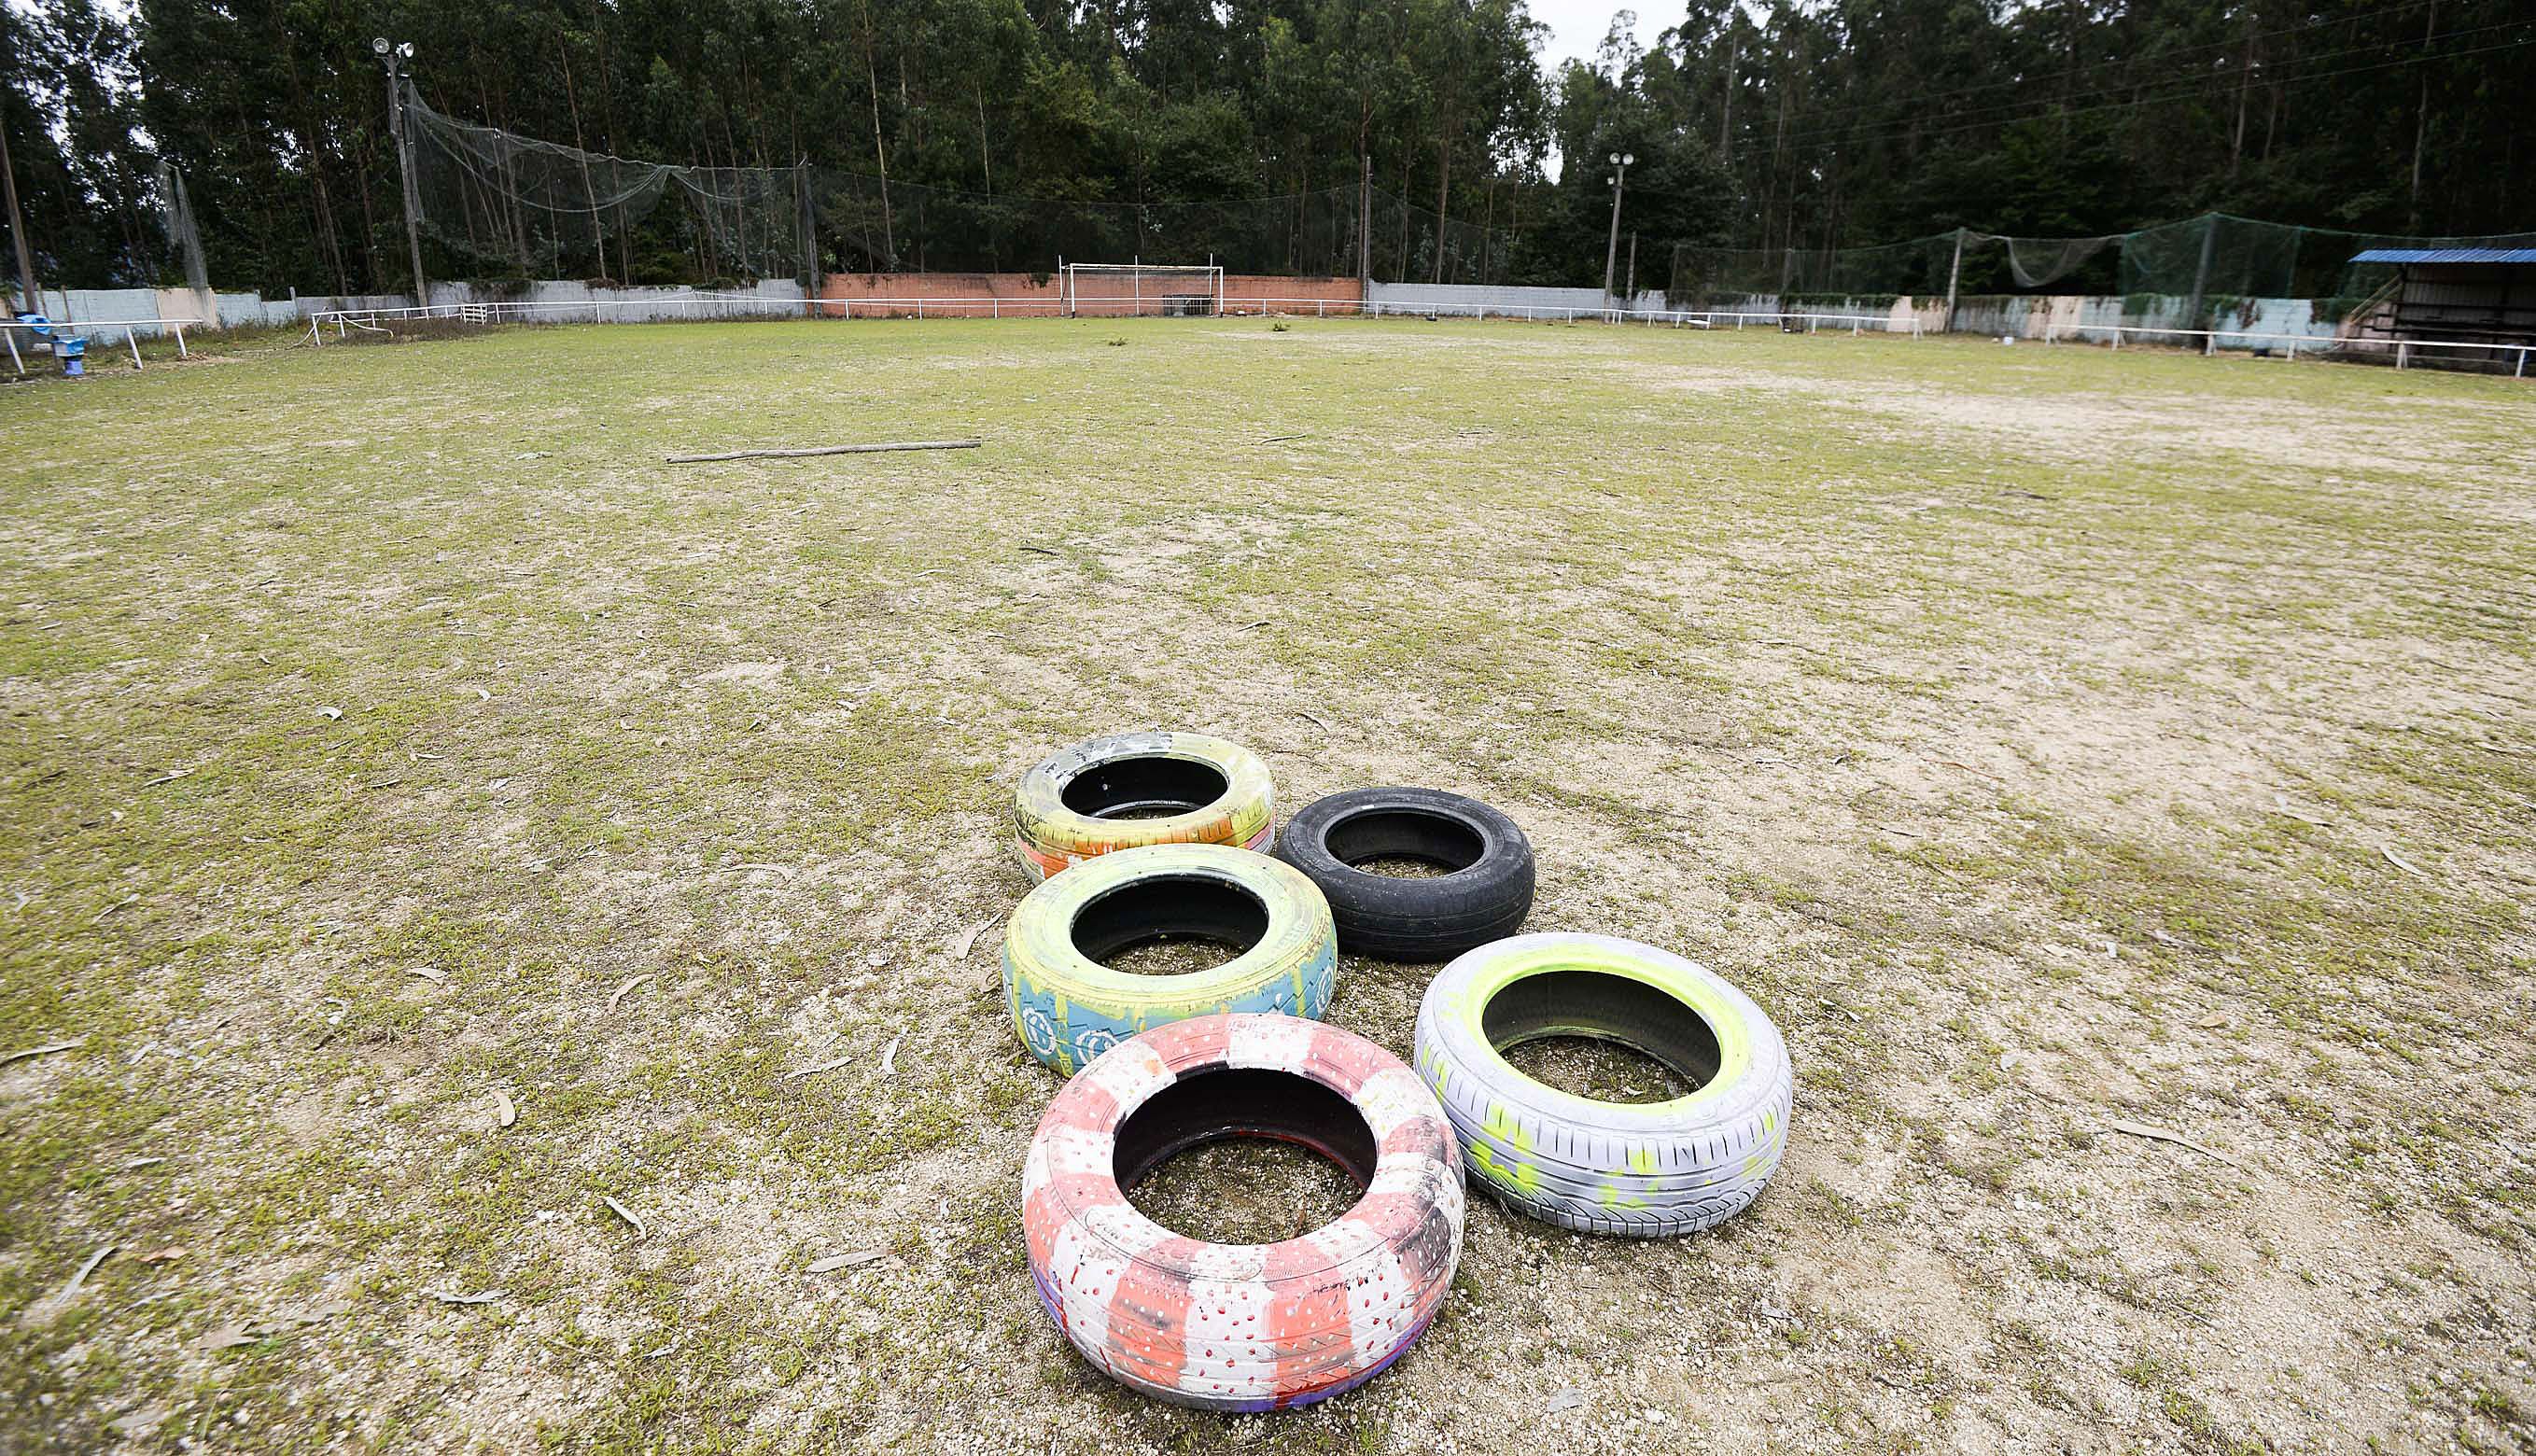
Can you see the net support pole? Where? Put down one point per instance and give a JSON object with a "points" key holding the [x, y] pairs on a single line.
{"points": [[405, 174], [1954, 275], [1365, 227]]}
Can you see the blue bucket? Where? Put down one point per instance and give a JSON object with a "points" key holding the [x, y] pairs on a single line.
{"points": [[72, 350]]}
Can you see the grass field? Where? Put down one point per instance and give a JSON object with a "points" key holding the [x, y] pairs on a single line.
{"points": [[2046, 738]]}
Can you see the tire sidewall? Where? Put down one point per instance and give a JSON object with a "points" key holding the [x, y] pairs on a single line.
{"points": [[1553, 1154], [1068, 1009], [1430, 918], [1050, 837]]}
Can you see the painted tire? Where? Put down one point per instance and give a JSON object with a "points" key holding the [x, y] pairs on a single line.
{"points": [[1243, 1327], [1064, 809], [1648, 1170], [1483, 896], [1068, 1009]]}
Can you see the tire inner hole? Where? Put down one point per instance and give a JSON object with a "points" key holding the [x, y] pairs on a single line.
{"points": [[1604, 1036], [1169, 924], [1241, 1155], [1147, 788], [1405, 844]]}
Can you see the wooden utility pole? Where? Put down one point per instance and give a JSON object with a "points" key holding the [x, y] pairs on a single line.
{"points": [[27, 299]]}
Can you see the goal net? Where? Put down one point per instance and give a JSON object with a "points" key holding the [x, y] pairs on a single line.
{"points": [[1118, 289]]}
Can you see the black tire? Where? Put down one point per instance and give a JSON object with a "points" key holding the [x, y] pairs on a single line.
{"points": [[1483, 896]]}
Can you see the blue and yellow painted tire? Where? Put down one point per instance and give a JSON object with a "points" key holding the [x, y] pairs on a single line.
{"points": [[1646, 1170], [1068, 1009]]}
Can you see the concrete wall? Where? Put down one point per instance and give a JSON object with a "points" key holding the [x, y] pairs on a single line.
{"points": [[2060, 317], [1508, 298], [566, 301], [1037, 296]]}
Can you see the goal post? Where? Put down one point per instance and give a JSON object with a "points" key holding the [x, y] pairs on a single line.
{"points": [[1122, 289]]}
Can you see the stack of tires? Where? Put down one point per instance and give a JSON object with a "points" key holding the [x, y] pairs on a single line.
{"points": [[1144, 836]]}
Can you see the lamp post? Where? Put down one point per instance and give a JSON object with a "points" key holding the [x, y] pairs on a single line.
{"points": [[1620, 180], [392, 56]]}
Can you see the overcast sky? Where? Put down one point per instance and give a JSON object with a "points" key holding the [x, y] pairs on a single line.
{"points": [[1576, 26]]}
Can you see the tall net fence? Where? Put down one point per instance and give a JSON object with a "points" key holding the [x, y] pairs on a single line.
{"points": [[2210, 257], [2218, 256], [517, 206]]}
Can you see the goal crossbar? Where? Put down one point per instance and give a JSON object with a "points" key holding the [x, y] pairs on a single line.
{"points": [[1116, 290]]}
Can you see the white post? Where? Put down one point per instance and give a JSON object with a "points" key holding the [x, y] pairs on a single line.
{"points": [[180, 343], [2521, 371], [133, 339], [2210, 343], [2403, 355], [12, 336]]}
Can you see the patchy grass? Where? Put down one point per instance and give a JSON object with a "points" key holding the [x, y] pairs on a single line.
{"points": [[2044, 737]]}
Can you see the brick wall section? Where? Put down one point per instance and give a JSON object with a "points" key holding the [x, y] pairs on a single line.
{"points": [[1020, 295]]}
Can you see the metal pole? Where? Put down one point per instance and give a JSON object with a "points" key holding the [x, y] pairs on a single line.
{"points": [[1364, 228], [391, 55], [11, 335], [1611, 253], [1954, 273], [1633, 268]]}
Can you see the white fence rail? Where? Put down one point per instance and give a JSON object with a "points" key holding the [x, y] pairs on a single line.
{"points": [[2401, 349], [345, 322], [9, 328]]}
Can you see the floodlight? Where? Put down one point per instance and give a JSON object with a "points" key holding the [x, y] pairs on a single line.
{"points": [[405, 50], [1616, 156], [379, 44], [1626, 158]]}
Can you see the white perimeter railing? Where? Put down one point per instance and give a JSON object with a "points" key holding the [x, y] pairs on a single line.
{"points": [[11, 327], [346, 321], [2402, 349]]}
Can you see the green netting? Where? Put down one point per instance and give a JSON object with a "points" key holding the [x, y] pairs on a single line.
{"points": [[1916, 267], [2210, 257], [515, 205]]}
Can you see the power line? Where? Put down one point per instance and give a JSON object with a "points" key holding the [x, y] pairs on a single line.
{"points": [[2187, 85], [2168, 57]]}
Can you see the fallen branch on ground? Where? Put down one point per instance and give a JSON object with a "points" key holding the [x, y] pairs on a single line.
{"points": [[826, 450], [2166, 1135]]}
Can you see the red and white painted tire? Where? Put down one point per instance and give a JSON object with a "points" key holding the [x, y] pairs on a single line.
{"points": [[1243, 1327]]}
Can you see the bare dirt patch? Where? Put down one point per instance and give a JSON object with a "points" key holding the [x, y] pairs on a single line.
{"points": [[2050, 741]]}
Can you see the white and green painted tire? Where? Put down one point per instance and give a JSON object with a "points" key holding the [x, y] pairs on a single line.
{"points": [[1068, 1009], [1645, 1169]]}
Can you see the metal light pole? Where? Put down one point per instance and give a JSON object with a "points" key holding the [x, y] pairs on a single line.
{"points": [[392, 55], [1620, 180]]}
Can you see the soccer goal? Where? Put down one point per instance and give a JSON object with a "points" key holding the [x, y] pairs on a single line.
{"points": [[1118, 289]]}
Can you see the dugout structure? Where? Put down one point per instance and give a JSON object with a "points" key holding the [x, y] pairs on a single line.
{"points": [[1122, 290]]}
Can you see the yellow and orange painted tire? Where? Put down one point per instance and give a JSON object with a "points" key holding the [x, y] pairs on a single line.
{"points": [[1130, 789]]}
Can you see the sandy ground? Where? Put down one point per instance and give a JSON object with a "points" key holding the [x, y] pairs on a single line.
{"points": [[450, 837]]}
